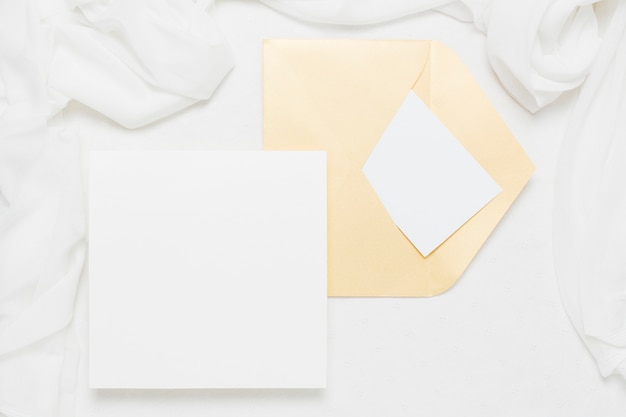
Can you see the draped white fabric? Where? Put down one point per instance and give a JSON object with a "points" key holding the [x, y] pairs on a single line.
{"points": [[41, 224], [590, 202], [118, 47], [539, 48], [107, 54]]}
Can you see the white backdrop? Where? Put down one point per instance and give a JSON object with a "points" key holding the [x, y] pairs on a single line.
{"points": [[497, 344]]}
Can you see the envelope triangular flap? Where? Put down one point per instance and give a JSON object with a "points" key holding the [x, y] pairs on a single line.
{"points": [[458, 101], [422, 85], [339, 96]]}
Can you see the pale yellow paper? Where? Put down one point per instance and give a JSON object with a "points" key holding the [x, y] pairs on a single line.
{"points": [[339, 96]]}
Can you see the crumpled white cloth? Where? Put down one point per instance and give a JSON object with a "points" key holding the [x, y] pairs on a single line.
{"points": [[41, 224], [539, 49], [137, 61], [108, 55], [590, 204]]}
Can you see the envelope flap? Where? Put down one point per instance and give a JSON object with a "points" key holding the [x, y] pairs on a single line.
{"points": [[459, 102], [422, 85]]}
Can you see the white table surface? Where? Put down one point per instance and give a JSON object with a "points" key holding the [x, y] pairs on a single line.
{"points": [[497, 344]]}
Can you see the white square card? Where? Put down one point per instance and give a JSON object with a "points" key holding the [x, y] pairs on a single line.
{"points": [[207, 269]]}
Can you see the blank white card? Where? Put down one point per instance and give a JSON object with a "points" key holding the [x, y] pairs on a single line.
{"points": [[428, 182], [207, 269]]}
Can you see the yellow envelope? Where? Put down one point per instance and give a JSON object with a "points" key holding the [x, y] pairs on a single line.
{"points": [[339, 96]]}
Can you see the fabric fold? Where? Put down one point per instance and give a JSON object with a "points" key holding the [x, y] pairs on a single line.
{"points": [[540, 49], [137, 61], [589, 228]]}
